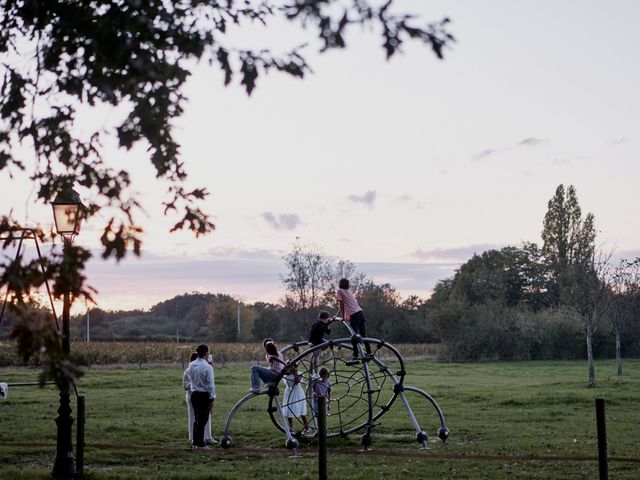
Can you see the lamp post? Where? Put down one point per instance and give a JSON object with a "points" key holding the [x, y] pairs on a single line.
{"points": [[67, 214]]}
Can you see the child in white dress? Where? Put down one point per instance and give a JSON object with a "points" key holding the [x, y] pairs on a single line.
{"points": [[295, 402]]}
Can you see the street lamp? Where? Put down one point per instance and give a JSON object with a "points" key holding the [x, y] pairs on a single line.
{"points": [[67, 213]]}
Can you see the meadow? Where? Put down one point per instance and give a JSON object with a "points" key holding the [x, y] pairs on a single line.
{"points": [[508, 420]]}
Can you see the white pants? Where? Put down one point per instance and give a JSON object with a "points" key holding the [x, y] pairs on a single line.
{"points": [[190, 419]]}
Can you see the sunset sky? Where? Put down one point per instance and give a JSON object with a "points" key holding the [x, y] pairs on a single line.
{"points": [[404, 167]]}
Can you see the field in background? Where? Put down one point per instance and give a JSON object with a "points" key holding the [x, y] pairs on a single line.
{"points": [[136, 426], [155, 353]]}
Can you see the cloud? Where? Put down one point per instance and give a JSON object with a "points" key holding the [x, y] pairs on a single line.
{"points": [[404, 198], [458, 254], [248, 274], [618, 141], [408, 278], [626, 254], [529, 142], [487, 152], [567, 160], [561, 161], [368, 198], [237, 253], [283, 221]]}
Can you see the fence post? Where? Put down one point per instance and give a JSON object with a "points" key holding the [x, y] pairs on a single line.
{"points": [[322, 438], [603, 466], [80, 435]]}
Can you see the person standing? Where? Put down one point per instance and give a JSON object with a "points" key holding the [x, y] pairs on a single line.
{"points": [[352, 313], [186, 383], [321, 387], [203, 393]]}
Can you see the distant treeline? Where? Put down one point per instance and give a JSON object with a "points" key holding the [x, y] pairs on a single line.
{"points": [[558, 301]]}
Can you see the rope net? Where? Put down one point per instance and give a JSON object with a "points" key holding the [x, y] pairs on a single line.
{"points": [[351, 394]]}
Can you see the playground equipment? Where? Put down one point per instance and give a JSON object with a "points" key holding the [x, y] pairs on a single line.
{"points": [[362, 391]]}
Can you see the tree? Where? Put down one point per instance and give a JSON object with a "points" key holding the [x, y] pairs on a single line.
{"points": [[567, 238], [588, 292], [569, 250], [625, 287], [61, 58], [381, 304], [221, 319], [307, 279], [510, 276], [268, 323], [343, 269]]}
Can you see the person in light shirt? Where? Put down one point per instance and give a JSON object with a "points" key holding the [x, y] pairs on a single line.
{"points": [[352, 313], [203, 393], [186, 383]]}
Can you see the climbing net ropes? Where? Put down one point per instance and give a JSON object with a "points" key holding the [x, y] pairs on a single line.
{"points": [[364, 386]]}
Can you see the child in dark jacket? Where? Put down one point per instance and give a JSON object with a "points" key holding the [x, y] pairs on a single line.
{"points": [[316, 336]]}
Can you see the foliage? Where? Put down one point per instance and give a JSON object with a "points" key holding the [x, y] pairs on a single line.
{"points": [[37, 340], [312, 280], [62, 60], [510, 276], [568, 239], [624, 303], [307, 279], [268, 323], [525, 302]]}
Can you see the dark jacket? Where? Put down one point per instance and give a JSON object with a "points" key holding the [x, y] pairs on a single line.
{"points": [[318, 329]]}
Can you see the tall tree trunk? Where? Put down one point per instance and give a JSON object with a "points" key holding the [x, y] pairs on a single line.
{"points": [[618, 355], [592, 369]]}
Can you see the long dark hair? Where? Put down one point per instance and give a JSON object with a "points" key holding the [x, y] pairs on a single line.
{"points": [[271, 348]]}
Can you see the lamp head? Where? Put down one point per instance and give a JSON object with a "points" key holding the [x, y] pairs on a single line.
{"points": [[67, 213]]}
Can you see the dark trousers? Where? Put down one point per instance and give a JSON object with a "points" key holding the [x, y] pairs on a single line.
{"points": [[200, 402], [357, 321]]}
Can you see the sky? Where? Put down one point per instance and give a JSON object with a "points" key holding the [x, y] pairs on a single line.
{"points": [[405, 167]]}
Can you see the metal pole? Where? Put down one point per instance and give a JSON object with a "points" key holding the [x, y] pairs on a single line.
{"points": [[64, 466], [80, 435], [238, 321], [322, 438], [603, 466], [88, 338]]}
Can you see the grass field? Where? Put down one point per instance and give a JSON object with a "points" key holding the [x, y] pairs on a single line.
{"points": [[136, 427]]}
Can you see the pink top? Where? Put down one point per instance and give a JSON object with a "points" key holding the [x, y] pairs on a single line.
{"points": [[274, 365], [349, 302]]}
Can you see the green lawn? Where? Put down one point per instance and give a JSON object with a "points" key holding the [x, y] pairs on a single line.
{"points": [[136, 426]]}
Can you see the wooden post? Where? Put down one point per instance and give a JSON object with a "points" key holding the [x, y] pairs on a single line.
{"points": [[603, 465], [322, 438], [80, 435]]}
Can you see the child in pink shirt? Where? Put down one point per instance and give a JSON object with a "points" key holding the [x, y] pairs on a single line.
{"points": [[352, 313]]}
